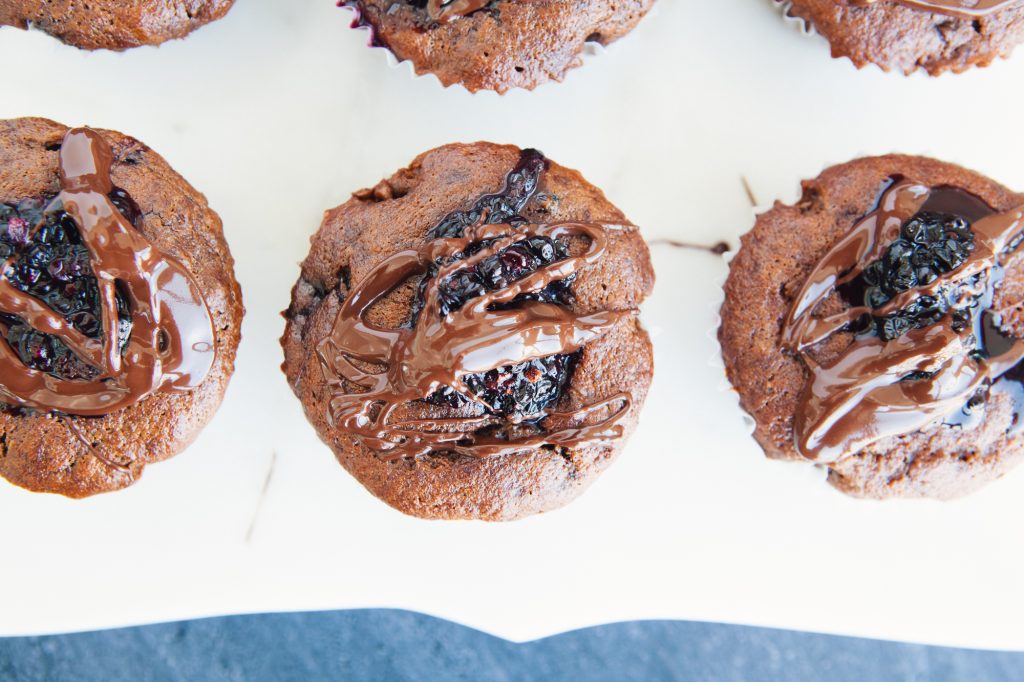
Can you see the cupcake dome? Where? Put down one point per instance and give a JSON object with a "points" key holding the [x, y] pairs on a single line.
{"points": [[464, 335], [113, 24], [497, 44], [885, 348], [118, 305]]}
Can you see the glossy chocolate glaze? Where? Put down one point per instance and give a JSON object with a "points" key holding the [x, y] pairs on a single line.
{"points": [[374, 371], [875, 388], [172, 343], [964, 9]]}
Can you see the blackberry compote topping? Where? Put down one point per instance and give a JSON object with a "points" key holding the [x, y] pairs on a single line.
{"points": [[923, 266], [518, 392], [930, 245], [46, 259], [524, 390], [497, 272], [503, 207], [93, 317], [521, 391], [491, 325]]}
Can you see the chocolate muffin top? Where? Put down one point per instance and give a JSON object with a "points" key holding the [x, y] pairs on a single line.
{"points": [[113, 24], [119, 312], [906, 35], [464, 334], [497, 44], [886, 346]]}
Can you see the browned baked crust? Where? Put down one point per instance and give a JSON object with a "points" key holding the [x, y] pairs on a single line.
{"points": [[49, 452], [900, 38], [768, 272], [113, 24], [509, 44], [371, 226]]}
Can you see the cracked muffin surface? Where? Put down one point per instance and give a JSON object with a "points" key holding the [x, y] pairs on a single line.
{"points": [[89, 446], [975, 438], [496, 45], [113, 24], [512, 238], [902, 38]]}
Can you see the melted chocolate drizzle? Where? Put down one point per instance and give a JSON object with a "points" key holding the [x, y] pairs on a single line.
{"points": [[964, 9], [445, 347], [171, 342], [877, 388], [444, 11]]}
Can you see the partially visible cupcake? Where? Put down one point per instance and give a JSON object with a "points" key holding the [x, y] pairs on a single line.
{"points": [[495, 44], [464, 335], [907, 35], [119, 310], [886, 347], [112, 24]]}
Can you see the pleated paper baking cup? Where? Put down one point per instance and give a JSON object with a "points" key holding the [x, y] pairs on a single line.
{"points": [[716, 360], [802, 25], [815, 472]]}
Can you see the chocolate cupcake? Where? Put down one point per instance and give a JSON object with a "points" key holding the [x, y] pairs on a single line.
{"points": [[464, 335], [119, 312], [113, 24], [887, 346], [906, 35], [495, 44]]}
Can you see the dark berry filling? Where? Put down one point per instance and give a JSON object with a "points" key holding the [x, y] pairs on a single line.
{"points": [[503, 207], [502, 269], [524, 391], [931, 244], [48, 261], [934, 242], [519, 391]]}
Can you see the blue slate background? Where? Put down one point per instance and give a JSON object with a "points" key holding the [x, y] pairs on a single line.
{"points": [[399, 645]]}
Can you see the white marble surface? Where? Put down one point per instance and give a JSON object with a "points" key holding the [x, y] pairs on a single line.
{"points": [[280, 111]]}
